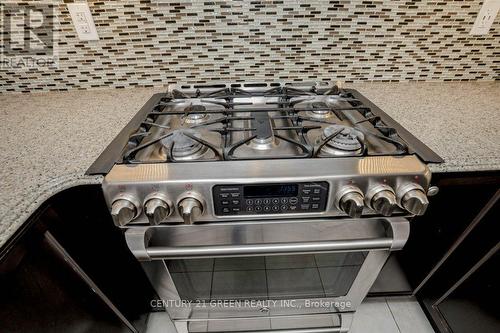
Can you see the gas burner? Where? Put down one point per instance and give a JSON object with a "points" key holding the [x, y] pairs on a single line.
{"points": [[195, 118], [262, 143], [184, 146], [347, 142], [264, 136], [320, 111]]}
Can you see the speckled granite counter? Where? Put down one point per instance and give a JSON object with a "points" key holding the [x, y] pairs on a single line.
{"points": [[49, 140]]}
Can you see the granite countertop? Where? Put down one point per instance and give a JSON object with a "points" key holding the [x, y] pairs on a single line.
{"points": [[48, 140]]}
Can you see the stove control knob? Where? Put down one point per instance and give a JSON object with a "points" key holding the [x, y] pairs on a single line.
{"points": [[123, 211], [381, 199], [190, 208], [412, 198], [350, 200], [157, 209]]}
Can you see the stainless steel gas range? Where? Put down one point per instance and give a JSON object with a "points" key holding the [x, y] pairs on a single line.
{"points": [[263, 207]]}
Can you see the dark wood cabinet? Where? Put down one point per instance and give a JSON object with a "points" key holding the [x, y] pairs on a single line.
{"points": [[451, 259], [69, 270]]}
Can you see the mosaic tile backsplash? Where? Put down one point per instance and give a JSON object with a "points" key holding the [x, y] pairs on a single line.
{"points": [[157, 42]]}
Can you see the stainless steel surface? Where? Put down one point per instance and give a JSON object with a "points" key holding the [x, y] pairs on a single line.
{"points": [[335, 158], [293, 330], [384, 203], [165, 252], [382, 199], [432, 191], [277, 237], [333, 322], [123, 211], [264, 121], [377, 236], [293, 324], [114, 152], [190, 208], [352, 204], [411, 197], [156, 210], [415, 202], [176, 178], [350, 200]]}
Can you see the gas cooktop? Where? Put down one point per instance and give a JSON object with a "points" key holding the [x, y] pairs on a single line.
{"points": [[258, 121]]}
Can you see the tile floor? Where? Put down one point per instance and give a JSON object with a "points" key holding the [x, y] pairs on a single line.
{"points": [[376, 315], [390, 315]]}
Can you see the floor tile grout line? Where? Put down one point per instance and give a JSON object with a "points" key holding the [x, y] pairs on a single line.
{"points": [[392, 315]]}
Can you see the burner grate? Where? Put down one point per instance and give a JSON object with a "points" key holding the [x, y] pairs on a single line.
{"points": [[278, 106]]}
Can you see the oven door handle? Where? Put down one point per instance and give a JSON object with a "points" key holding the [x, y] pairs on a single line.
{"points": [[138, 242]]}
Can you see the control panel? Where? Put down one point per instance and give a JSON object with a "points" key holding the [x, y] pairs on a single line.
{"points": [[281, 198]]}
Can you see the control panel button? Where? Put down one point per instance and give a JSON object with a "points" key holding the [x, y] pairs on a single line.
{"points": [[249, 202], [276, 201], [284, 200], [294, 201]]}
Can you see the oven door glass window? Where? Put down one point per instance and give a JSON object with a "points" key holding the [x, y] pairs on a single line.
{"points": [[263, 278]]}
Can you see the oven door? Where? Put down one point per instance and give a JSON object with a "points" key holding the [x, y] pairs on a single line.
{"points": [[275, 269]]}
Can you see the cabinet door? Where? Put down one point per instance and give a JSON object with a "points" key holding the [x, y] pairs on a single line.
{"points": [[41, 291], [460, 199], [472, 305], [462, 293]]}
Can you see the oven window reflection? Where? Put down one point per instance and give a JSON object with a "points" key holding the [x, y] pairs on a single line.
{"points": [[271, 277]]}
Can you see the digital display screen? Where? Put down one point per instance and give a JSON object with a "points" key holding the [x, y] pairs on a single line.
{"points": [[271, 190]]}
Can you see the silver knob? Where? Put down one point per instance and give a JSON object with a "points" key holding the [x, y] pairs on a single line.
{"points": [[123, 211], [189, 208], [415, 201], [156, 210], [351, 201], [432, 191], [384, 202]]}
